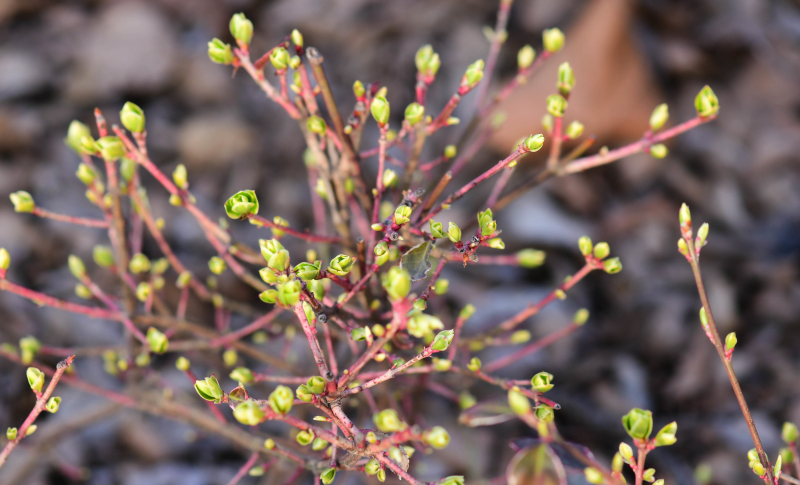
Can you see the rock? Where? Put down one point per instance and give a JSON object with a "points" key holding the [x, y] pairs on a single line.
{"points": [[131, 48], [21, 73], [214, 140]]}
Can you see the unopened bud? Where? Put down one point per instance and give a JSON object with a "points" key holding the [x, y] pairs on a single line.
{"points": [[730, 341], [534, 142], [281, 399], [414, 113], [473, 75], [52, 404], [220, 52], [612, 266], [581, 316], [659, 150], [525, 57], [518, 402], [157, 340], [23, 201], [35, 379], [249, 413], [474, 364], [553, 39], [297, 38], [556, 105], [279, 57], [706, 103], [659, 117], [601, 250], [437, 437], [454, 233], [593, 475], [542, 382], [217, 265], [111, 148], [585, 245], [574, 129], [132, 117], [566, 78], [5, 259], [76, 266], [789, 432], [380, 110]]}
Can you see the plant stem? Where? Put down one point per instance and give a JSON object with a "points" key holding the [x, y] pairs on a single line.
{"points": [[244, 469], [38, 211], [531, 348], [737, 390], [37, 409]]}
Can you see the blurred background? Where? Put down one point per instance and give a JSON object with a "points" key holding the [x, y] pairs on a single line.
{"points": [[643, 345]]}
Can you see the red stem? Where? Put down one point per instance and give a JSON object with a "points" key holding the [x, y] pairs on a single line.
{"points": [[38, 211]]}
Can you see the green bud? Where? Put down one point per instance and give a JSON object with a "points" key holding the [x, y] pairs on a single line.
{"points": [[601, 250], [217, 265], [11, 434], [388, 421], [269, 247], [666, 436], [612, 266], [23, 202], [422, 325], [139, 263], [593, 475], [297, 38], [398, 283], [242, 204], [520, 337], [183, 364], [789, 432], [82, 291], [341, 265], [35, 378], [316, 125], [328, 475], [317, 288], [585, 245], [534, 142], [474, 364], [626, 451], [319, 444], [730, 341], [617, 463], [31, 429], [358, 89], [389, 179], [454, 233], [776, 469], [423, 57], [442, 340], [380, 110], [706, 103], [248, 413], [437, 437], [86, 174], [279, 57], [530, 258], [183, 279], [269, 444], [659, 117], [281, 399], [638, 423], [242, 374], [467, 311], [437, 230], [473, 75], [157, 340], [553, 40], [241, 28], [518, 402], [453, 480], [420, 304], [381, 476], [181, 177], [496, 243], [360, 333], [787, 455], [209, 389], [685, 216], [542, 382], [544, 413], [525, 57], [450, 151], [132, 117], [5, 259], [415, 112], [104, 257], [220, 52], [305, 437], [52, 404], [659, 150], [76, 266], [316, 384], [76, 132], [574, 129], [279, 261], [303, 393], [704, 319], [566, 78], [29, 347], [441, 286], [289, 293], [556, 105], [649, 475], [580, 317], [111, 148], [402, 215], [308, 271], [372, 467]]}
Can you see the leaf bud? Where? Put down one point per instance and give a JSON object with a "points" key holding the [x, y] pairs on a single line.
{"points": [[157, 340], [659, 117], [542, 382], [525, 57], [23, 201], [132, 117], [553, 39]]}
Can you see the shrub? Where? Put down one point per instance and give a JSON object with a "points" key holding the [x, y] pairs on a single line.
{"points": [[371, 295]]}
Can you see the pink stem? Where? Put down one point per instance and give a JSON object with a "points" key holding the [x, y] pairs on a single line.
{"points": [[312, 340], [257, 324], [529, 349], [288, 230], [586, 163], [42, 299], [245, 468], [38, 211], [37, 409]]}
